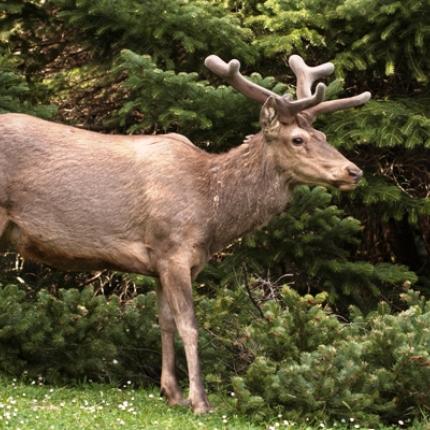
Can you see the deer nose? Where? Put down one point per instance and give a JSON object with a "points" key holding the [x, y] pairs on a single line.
{"points": [[354, 172]]}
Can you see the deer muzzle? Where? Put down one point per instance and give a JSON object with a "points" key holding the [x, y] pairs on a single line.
{"points": [[350, 178]]}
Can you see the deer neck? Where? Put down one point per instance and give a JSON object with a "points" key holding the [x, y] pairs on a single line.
{"points": [[246, 191]]}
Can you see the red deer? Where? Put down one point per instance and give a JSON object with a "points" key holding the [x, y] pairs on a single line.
{"points": [[157, 204]]}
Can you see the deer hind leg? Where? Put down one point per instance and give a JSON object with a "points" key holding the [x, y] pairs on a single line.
{"points": [[169, 384], [175, 280], [4, 221]]}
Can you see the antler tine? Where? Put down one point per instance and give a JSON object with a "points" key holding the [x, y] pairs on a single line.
{"points": [[230, 72], [307, 75], [290, 108], [335, 105]]}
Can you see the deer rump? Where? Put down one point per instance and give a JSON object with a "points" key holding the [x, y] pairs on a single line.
{"points": [[80, 200]]}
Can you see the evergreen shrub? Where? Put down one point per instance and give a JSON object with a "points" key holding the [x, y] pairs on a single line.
{"points": [[15, 93], [308, 363], [75, 336]]}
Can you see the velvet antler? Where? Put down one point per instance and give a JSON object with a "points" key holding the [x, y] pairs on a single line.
{"points": [[230, 72], [308, 103]]}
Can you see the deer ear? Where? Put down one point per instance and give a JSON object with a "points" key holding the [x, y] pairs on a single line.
{"points": [[269, 119]]}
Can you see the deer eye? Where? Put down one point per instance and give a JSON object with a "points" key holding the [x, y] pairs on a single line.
{"points": [[298, 141]]}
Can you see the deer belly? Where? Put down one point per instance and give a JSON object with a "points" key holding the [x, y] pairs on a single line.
{"points": [[125, 257]]}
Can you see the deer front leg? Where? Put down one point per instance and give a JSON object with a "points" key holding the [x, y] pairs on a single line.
{"points": [[175, 280], [168, 384]]}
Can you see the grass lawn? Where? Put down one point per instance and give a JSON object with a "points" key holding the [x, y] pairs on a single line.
{"points": [[94, 407], [25, 407]]}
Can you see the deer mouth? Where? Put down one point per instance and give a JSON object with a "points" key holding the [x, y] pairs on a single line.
{"points": [[346, 185]]}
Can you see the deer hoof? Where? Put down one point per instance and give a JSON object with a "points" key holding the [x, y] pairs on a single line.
{"points": [[174, 398], [179, 402], [201, 408]]}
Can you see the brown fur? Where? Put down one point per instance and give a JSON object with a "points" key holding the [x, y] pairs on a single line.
{"points": [[156, 205]]}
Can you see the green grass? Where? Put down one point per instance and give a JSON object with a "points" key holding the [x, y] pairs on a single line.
{"points": [[38, 407], [94, 407]]}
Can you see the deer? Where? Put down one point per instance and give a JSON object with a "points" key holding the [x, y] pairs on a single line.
{"points": [[158, 205]]}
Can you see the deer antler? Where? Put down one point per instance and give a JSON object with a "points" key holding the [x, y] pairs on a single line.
{"points": [[311, 105], [230, 72], [307, 75], [335, 105]]}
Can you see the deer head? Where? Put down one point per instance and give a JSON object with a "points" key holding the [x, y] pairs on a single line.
{"points": [[301, 151]]}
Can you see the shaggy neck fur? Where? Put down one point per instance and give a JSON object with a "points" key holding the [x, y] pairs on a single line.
{"points": [[247, 190]]}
